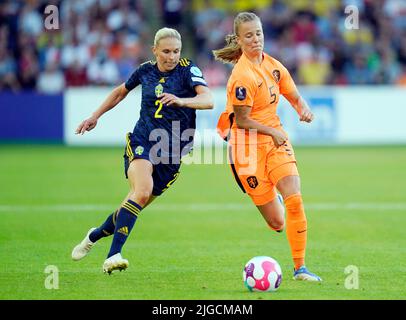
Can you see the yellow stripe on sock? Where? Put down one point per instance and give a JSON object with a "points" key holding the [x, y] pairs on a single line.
{"points": [[130, 209], [126, 206], [133, 206]]}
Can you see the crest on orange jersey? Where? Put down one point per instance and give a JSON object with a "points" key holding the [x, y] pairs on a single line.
{"points": [[252, 182], [276, 75]]}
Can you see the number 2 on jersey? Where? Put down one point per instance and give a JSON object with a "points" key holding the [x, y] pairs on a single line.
{"points": [[160, 105]]}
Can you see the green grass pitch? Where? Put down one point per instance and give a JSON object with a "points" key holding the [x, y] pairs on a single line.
{"points": [[193, 242]]}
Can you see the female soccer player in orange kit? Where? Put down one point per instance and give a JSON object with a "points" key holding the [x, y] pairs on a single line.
{"points": [[253, 91]]}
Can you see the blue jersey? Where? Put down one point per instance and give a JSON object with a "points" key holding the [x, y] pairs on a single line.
{"points": [[171, 122]]}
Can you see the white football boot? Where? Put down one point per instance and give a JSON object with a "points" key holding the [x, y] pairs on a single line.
{"points": [[115, 262], [83, 248]]}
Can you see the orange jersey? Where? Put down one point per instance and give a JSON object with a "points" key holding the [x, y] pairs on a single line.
{"points": [[258, 86]]}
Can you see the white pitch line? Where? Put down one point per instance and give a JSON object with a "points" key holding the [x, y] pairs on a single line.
{"points": [[316, 206]]}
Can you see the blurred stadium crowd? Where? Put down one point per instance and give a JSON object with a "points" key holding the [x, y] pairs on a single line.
{"points": [[100, 42]]}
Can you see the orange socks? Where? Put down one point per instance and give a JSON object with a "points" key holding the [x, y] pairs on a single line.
{"points": [[296, 228]]}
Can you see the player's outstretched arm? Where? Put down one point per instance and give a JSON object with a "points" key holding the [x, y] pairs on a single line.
{"points": [[300, 105], [202, 100], [118, 94]]}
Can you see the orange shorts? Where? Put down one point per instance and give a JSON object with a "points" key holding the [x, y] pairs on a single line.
{"points": [[258, 168]]}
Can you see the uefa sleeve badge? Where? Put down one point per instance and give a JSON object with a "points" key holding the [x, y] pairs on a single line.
{"points": [[240, 93]]}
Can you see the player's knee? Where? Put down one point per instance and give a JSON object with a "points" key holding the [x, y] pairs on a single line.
{"points": [[141, 196], [277, 223]]}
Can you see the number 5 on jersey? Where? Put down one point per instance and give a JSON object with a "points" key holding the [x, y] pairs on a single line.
{"points": [[160, 105]]}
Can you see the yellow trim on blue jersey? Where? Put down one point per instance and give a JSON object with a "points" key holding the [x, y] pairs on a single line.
{"points": [[129, 151], [184, 62]]}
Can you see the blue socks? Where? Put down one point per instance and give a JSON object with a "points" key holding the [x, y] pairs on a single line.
{"points": [[125, 221], [106, 229]]}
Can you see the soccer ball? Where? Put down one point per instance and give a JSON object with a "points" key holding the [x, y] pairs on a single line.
{"points": [[262, 274]]}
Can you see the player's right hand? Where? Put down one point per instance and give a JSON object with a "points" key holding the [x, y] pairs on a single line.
{"points": [[278, 137], [86, 125]]}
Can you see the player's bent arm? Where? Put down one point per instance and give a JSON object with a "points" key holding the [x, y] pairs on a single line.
{"points": [[114, 98], [202, 100], [243, 121], [300, 105], [117, 95]]}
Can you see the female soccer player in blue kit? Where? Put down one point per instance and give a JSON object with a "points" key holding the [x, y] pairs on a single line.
{"points": [[172, 90]]}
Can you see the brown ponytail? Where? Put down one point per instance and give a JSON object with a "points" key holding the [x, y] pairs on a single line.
{"points": [[232, 50]]}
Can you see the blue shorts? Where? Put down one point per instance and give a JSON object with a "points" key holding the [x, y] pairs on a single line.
{"points": [[163, 175]]}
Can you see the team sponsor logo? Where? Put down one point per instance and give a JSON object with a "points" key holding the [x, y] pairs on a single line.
{"points": [[196, 71], [159, 89], [276, 75], [139, 150], [252, 182], [123, 230], [240, 93]]}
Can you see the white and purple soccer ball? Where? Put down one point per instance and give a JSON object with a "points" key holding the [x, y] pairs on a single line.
{"points": [[262, 273]]}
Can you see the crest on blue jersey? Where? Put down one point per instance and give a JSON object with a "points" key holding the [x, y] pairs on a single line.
{"points": [[139, 150], [159, 89], [196, 71], [240, 93]]}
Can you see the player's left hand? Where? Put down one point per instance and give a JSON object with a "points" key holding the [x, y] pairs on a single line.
{"points": [[170, 99], [306, 115]]}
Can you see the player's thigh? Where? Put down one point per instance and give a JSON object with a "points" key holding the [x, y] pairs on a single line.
{"points": [[252, 179], [289, 181], [283, 172], [140, 178]]}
